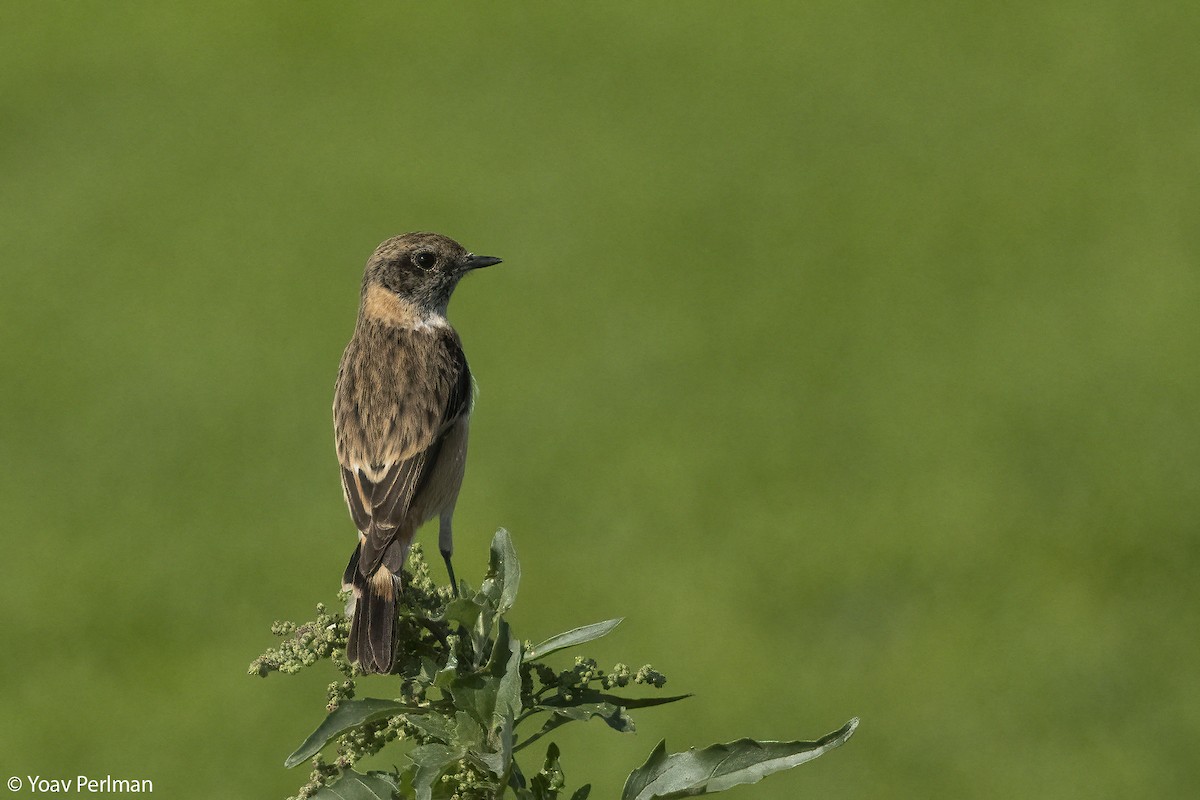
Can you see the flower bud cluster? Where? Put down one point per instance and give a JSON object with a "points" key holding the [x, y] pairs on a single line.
{"points": [[325, 636], [322, 774], [337, 692], [369, 738], [617, 677], [306, 644], [648, 675], [468, 783], [422, 594], [585, 671]]}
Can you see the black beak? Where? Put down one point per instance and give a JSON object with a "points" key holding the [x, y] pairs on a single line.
{"points": [[479, 262]]}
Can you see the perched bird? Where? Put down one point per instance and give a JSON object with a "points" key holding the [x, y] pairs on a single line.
{"points": [[400, 412]]}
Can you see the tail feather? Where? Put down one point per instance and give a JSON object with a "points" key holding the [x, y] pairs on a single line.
{"points": [[351, 571], [371, 642], [377, 647]]}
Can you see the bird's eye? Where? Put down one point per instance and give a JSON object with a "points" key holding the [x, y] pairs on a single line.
{"points": [[425, 259]]}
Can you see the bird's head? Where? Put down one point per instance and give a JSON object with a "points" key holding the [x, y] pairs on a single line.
{"points": [[421, 269]]}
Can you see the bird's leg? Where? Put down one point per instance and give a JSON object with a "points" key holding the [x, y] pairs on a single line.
{"points": [[450, 569], [446, 545]]}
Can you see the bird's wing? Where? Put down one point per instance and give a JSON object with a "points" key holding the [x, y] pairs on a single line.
{"points": [[380, 506]]}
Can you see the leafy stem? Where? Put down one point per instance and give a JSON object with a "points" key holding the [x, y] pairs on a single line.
{"points": [[467, 683]]}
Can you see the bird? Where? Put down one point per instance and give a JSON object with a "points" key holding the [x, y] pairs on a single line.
{"points": [[401, 411]]}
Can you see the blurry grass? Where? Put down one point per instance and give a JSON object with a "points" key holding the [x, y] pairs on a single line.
{"points": [[861, 339]]}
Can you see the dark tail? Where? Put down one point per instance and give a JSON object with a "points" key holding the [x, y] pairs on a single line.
{"points": [[371, 641]]}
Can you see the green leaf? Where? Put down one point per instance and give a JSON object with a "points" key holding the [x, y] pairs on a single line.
{"points": [[499, 761], [428, 672], [405, 787], [476, 695], [446, 676], [722, 766], [505, 666], [590, 696], [644, 702], [463, 610], [504, 574], [589, 703], [614, 716], [555, 721], [582, 792], [349, 714], [573, 637], [488, 695], [467, 732], [431, 761], [435, 726], [550, 781], [487, 761], [516, 781], [357, 786], [505, 737], [637, 785]]}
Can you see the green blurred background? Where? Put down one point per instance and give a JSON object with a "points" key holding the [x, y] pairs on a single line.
{"points": [[848, 350]]}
